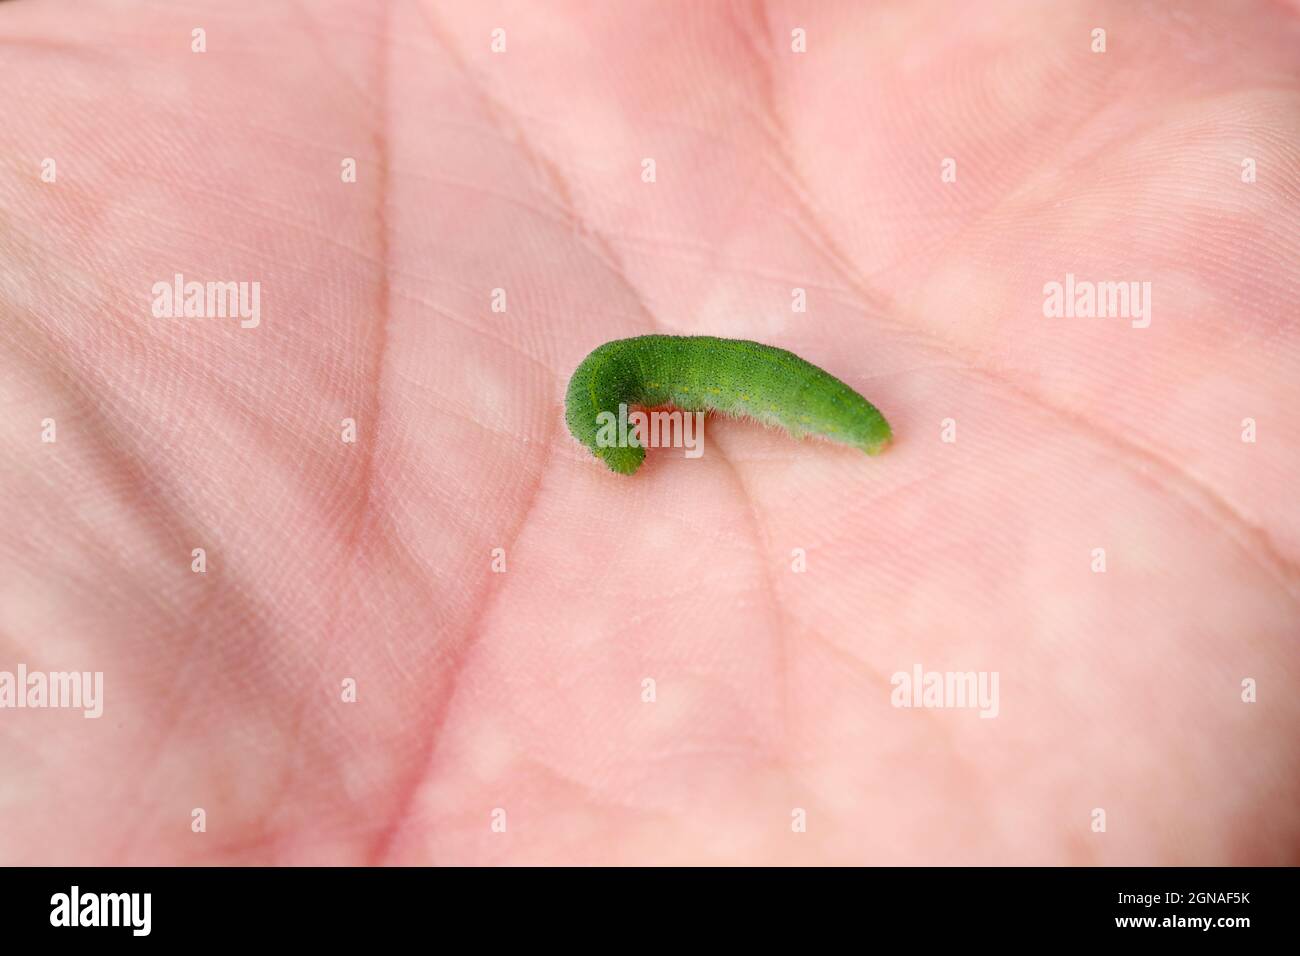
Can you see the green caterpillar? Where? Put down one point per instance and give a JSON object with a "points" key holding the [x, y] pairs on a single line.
{"points": [[703, 373]]}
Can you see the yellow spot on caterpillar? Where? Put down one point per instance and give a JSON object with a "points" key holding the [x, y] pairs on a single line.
{"points": [[686, 388], [804, 418]]}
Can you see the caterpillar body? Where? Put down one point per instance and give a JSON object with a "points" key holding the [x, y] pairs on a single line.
{"points": [[731, 376]]}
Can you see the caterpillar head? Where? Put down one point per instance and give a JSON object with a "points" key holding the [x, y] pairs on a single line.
{"points": [[624, 460]]}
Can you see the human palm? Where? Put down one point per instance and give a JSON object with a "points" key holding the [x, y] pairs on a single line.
{"points": [[692, 664]]}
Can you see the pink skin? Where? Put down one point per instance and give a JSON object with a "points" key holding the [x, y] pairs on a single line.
{"points": [[523, 690]]}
